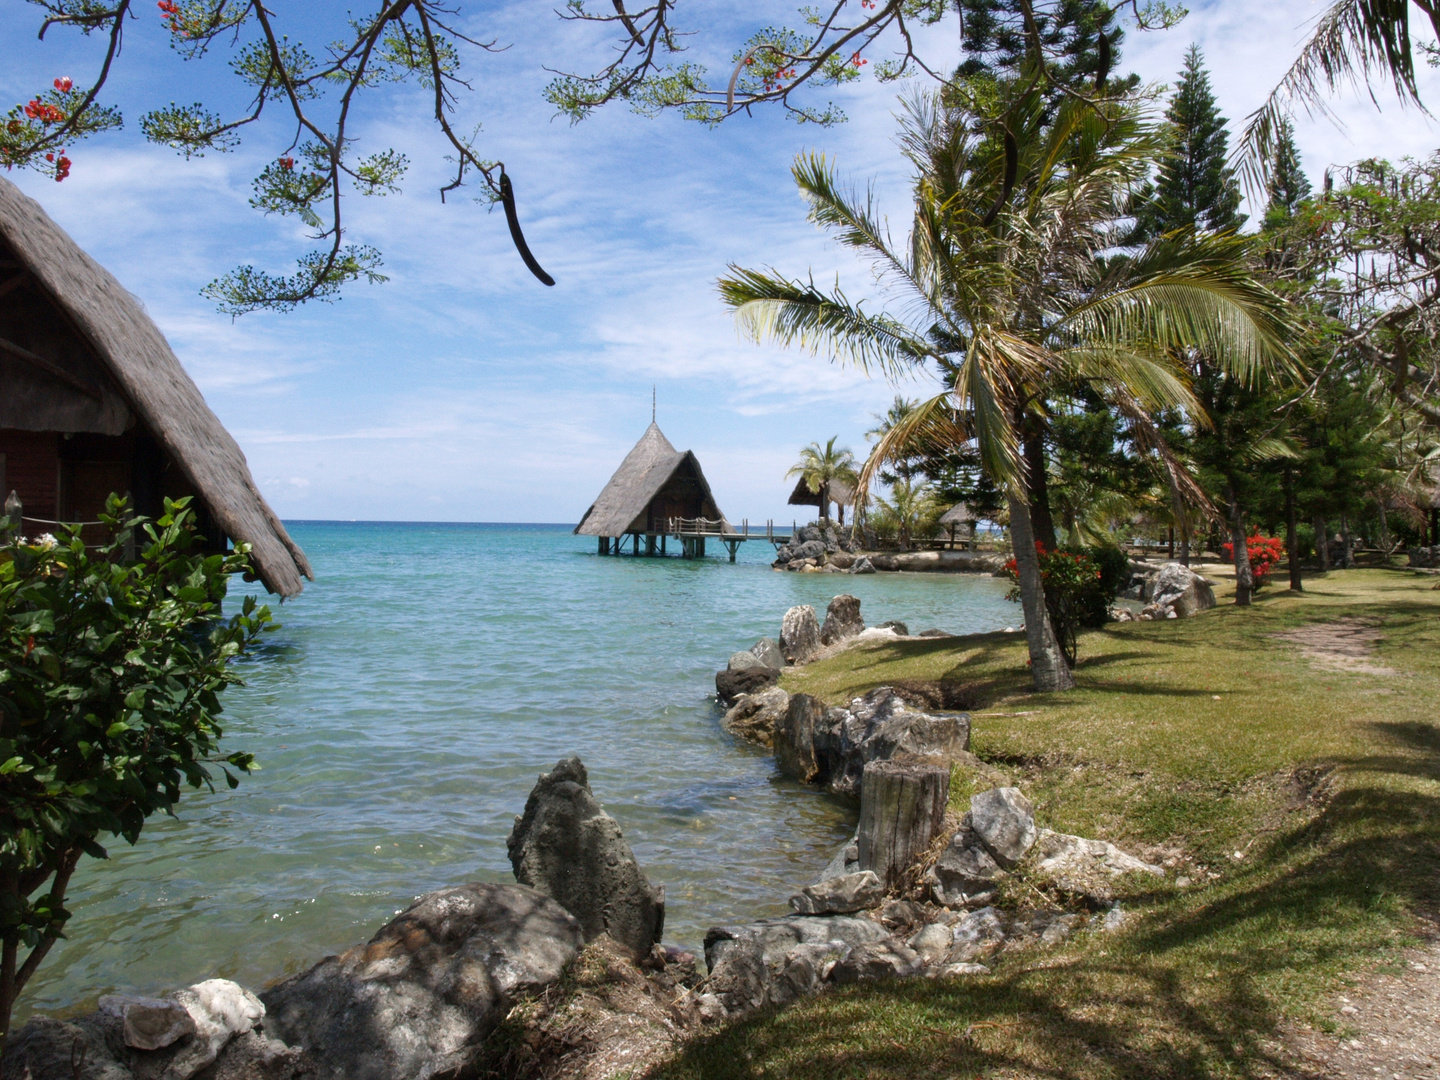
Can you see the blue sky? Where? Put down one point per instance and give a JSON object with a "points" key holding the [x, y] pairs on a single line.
{"points": [[461, 389]]}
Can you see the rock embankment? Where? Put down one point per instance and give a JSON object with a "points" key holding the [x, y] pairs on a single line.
{"points": [[823, 548]]}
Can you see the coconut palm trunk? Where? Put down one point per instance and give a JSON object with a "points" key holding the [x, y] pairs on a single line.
{"points": [[1244, 574], [1047, 662]]}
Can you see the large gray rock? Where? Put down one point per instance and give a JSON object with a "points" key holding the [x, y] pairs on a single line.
{"points": [[744, 661], [842, 620], [1086, 868], [138, 1038], [148, 1023], [47, 1049], [846, 860], [570, 849], [840, 895], [749, 963], [965, 873], [756, 717], [220, 1010], [730, 685], [978, 934], [1180, 589], [880, 726], [799, 634], [862, 565], [877, 960], [254, 1056], [769, 653], [420, 997], [1004, 821], [1425, 558], [809, 549], [795, 738]]}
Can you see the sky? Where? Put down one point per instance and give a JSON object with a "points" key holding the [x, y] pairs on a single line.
{"points": [[463, 390]]}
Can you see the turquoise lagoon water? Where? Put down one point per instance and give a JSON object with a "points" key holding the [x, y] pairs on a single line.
{"points": [[402, 713]]}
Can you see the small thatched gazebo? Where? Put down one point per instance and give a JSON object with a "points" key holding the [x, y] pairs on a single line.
{"points": [[841, 494], [94, 401], [654, 486], [959, 520]]}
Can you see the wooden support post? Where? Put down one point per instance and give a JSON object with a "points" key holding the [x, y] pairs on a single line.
{"points": [[649, 543], [902, 807], [603, 545], [732, 545]]}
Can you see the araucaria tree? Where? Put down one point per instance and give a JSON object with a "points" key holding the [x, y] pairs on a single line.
{"points": [[111, 669], [1006, 293]]}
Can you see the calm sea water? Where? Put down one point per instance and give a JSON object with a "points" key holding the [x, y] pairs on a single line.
{"points": [[402, 713]]}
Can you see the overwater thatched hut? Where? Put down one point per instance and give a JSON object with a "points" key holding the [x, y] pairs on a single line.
{"points": [[94, 402], [841, 494], [655, 487]]}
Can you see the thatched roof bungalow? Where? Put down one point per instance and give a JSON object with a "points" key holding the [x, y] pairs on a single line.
{"points": [[96, 402], [841, 494], [654, 484]]}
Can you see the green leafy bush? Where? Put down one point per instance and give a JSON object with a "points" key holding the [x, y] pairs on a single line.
{"points": [[112, 661], [1077, 593]]}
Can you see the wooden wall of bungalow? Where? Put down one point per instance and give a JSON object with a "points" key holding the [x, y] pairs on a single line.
{"points": [[68, 435]]}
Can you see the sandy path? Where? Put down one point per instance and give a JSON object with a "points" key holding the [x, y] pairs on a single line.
{"points": [[1343, 645]]}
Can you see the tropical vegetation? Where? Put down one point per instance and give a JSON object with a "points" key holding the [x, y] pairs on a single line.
{"points": [[112, 662]]}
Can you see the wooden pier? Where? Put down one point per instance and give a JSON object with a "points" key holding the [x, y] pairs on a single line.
{"points": [[692, 534]]}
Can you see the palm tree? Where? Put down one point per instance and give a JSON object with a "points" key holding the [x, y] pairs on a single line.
{"points": [[1008, 296], [820, 466], [913, 507]]}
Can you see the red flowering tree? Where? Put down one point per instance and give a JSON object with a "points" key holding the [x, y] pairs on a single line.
{"points": [[1265, 552]]}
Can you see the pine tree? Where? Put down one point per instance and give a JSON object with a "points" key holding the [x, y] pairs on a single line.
{"points": [[1195, 188], [1288, 184], [994, 39]]}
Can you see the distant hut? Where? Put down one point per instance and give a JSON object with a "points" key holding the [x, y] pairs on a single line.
{"points": [[94, 402], [841, 494], [959, 521], [654, 486]]}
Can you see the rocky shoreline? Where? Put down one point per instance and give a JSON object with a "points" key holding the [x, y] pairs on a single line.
{"points": [[822, 548], [564, 974]]}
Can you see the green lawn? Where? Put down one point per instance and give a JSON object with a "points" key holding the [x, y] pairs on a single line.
{"points": [[1301, 803]]}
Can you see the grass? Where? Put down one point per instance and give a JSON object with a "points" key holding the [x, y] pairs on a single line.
{"points": [[1301, 803]]}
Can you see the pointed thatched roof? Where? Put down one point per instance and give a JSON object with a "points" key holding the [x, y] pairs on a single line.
{"points": [[622, 505], [959, 514], [841, 493], [157, 388]]}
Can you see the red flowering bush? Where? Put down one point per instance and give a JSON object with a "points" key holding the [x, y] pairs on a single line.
{"points": [[1264, 551], [1076, 592]]}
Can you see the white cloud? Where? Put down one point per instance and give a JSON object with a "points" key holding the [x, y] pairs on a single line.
{"points": [[462, 389]]}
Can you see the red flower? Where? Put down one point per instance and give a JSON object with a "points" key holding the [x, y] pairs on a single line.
{"points": [[29, 646], [287, 163], [169, 7], [63, 84]]}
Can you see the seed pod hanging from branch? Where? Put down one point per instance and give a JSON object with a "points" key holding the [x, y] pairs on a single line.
{"points": [[1102, 70], [1012, 167], [507, 197]]}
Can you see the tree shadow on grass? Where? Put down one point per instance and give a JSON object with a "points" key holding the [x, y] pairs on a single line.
{"points": [[1196, 990]]}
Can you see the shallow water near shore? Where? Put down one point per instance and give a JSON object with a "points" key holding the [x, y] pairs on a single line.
{"points": [[403, 712]]}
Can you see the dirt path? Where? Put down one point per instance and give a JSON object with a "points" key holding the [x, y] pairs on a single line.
{"points": [[1343, 645], [1387, 1026]]}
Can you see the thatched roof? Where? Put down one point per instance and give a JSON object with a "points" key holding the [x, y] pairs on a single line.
{"points": [[959, 514], [622, 505], [841, 493], [155, 385]]}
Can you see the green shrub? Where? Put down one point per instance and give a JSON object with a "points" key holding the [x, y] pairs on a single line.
{"points": [[112, 661]]}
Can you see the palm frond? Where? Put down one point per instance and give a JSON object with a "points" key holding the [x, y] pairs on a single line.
{"points": [[1356, 42], [1188, 291], [770, 307], [1152, 378], [926, 427]]}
